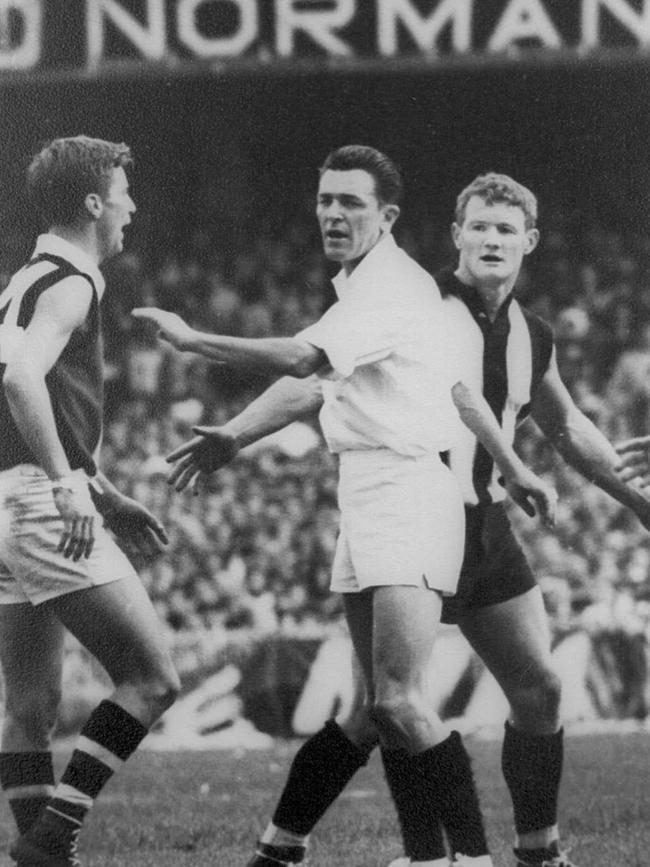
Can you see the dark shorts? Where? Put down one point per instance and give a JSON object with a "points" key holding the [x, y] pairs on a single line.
{"points": [[494, 567]]}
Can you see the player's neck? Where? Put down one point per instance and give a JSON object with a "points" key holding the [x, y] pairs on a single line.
{"points": [[84, 239], [493, 295]]}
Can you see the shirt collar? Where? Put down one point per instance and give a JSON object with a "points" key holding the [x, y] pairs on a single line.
{"points": [[371, 264], [54, 245]]}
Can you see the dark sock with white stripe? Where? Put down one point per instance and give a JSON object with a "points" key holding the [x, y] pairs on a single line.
{"points": [[27, 780], [105, 743]]}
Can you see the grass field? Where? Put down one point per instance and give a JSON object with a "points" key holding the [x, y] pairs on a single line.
{"points": [[205, 809]]}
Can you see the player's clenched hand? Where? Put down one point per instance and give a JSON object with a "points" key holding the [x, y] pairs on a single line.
{"points": [[213, 448], [134, 525], [533, 495], [634, 461], [77, 539], [170, 326]]}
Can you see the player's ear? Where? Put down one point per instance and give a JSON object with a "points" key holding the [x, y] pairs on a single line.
{"points": [[532, 240], [391, 213], [93, 205], [455, 235]]}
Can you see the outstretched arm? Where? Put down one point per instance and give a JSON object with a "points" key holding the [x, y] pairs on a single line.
{"points": [[525, 488], [281, 355], [283, 402], [581, 444]]}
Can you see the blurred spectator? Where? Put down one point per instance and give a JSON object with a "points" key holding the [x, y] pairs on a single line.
{"points": [[627, 393]]}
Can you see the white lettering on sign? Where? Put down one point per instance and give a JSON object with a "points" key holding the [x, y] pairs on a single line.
{"points": [[637, 24], [150, 39], [425, 31], [26, 52], [221, 46], [287, 28], [524, 19], [319, 24]]}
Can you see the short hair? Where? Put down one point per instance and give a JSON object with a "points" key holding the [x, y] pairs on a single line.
{"points": [[493, 187], [389, 186], [66, 170]]}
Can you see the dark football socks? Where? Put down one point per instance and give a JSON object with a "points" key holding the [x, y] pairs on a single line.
{"points": [[433, 787], [418, 819], [27, 780], [320, 770], [532, 767], [105, 743]]}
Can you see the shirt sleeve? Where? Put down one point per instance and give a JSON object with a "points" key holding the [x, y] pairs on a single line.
{"points": [[352, 335], [451, 348]]}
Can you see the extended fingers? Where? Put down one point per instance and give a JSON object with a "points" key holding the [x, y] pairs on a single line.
{"points": [[180, 468], [186, 449], [523, 501], [633, 444], [185, 477], [77, 539]]}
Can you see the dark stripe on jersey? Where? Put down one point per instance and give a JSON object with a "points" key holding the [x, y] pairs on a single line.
{"points": [[495, 371], [496, 387], [32, 294]]}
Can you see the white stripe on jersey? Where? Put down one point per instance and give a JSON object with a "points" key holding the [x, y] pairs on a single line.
{"points": [[468, 338], [11, 300]]}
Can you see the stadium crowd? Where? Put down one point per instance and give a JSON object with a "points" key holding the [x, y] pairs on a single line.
{"points": [[253, 549]]}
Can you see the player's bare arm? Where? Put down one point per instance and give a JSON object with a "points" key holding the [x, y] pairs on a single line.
{"points": [[581, 444], [130, 521], [285, 401], [281, 355], [530, 492], [58, 312]]}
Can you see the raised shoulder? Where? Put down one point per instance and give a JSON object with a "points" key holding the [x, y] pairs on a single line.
{"points": [[64, 305]]}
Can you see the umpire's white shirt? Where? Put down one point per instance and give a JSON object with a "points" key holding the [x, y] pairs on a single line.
{"points": [[393, 369], [388, 412]]}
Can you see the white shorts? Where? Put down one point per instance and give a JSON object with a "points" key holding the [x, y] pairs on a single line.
{"points": [[402, 522], [31, 569]]}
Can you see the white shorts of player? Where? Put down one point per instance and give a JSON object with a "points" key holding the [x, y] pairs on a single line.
{"points": [[402, 522], [31, 568]]}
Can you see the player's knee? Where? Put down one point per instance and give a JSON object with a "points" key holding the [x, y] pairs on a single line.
{"points": [[395, 715], [160, 690], [360, 728], [539, 699], [33, 713]]}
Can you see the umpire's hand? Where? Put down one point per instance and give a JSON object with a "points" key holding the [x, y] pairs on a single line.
{"points": [[170, 326], [213, 448]]}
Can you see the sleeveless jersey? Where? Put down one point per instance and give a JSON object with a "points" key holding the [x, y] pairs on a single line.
{"points": [[75, 382], [506, 360]]}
